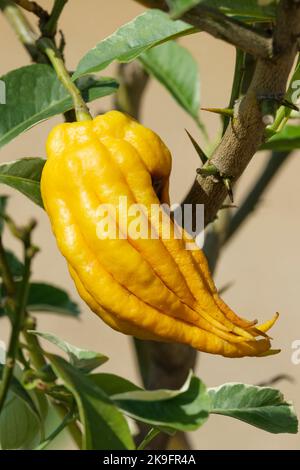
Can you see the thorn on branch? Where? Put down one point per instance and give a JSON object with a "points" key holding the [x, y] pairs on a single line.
{"points": [[197, 147], [289, 104], [228, 112], [228, 185]]}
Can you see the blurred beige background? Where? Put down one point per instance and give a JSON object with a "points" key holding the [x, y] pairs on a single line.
{"points": [[262, 261]]}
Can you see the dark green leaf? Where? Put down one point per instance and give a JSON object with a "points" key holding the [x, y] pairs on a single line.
{"points": [[20, 423], [286, 140], [182, 410], [34, 93], [176, 69], [15, 265], [262, 407], [43, 297], [103, 424], [47, 298], [19, 427], [129, 41], [24, 175], [80, 358]]}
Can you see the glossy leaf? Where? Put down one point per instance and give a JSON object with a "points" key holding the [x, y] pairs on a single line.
{"points": [[48, 298], [128, 42], [80, 358], [177, 70], [34, 93], [112, 384], [24, 175], [262, 407], [182, 410], [104, 427]]}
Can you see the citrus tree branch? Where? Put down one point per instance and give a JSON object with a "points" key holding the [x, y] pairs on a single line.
{"points": [[48, 47], [212, 21], [22, 28], [51, 25], [7, 277], [19, 315], [246, 132]]}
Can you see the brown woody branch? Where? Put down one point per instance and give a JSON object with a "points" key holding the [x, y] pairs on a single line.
{"points": [[212, 21], [133, 80], [246, 132]]}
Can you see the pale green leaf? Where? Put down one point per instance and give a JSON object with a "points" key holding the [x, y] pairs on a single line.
{"points": [[130, 40], [262, 407], [177, 70], [79, 358]]}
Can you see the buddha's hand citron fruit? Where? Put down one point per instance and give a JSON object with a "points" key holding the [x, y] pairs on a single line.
{"points": [[151, 287]]}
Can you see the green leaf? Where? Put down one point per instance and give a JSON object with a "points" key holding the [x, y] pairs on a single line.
{"points": [[47, 298], [20, 423], [43, 297], [19, 427], [182, 410], [41, 403], [103, 424], [18, 390], [176, 69], [24, 175], [15, 265], [34, 93], [286, 140], [129, 41], [262, 407], [80, 358], [113, 384]]}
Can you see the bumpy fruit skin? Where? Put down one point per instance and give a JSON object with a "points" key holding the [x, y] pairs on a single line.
{"points": [[149, 288]]}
